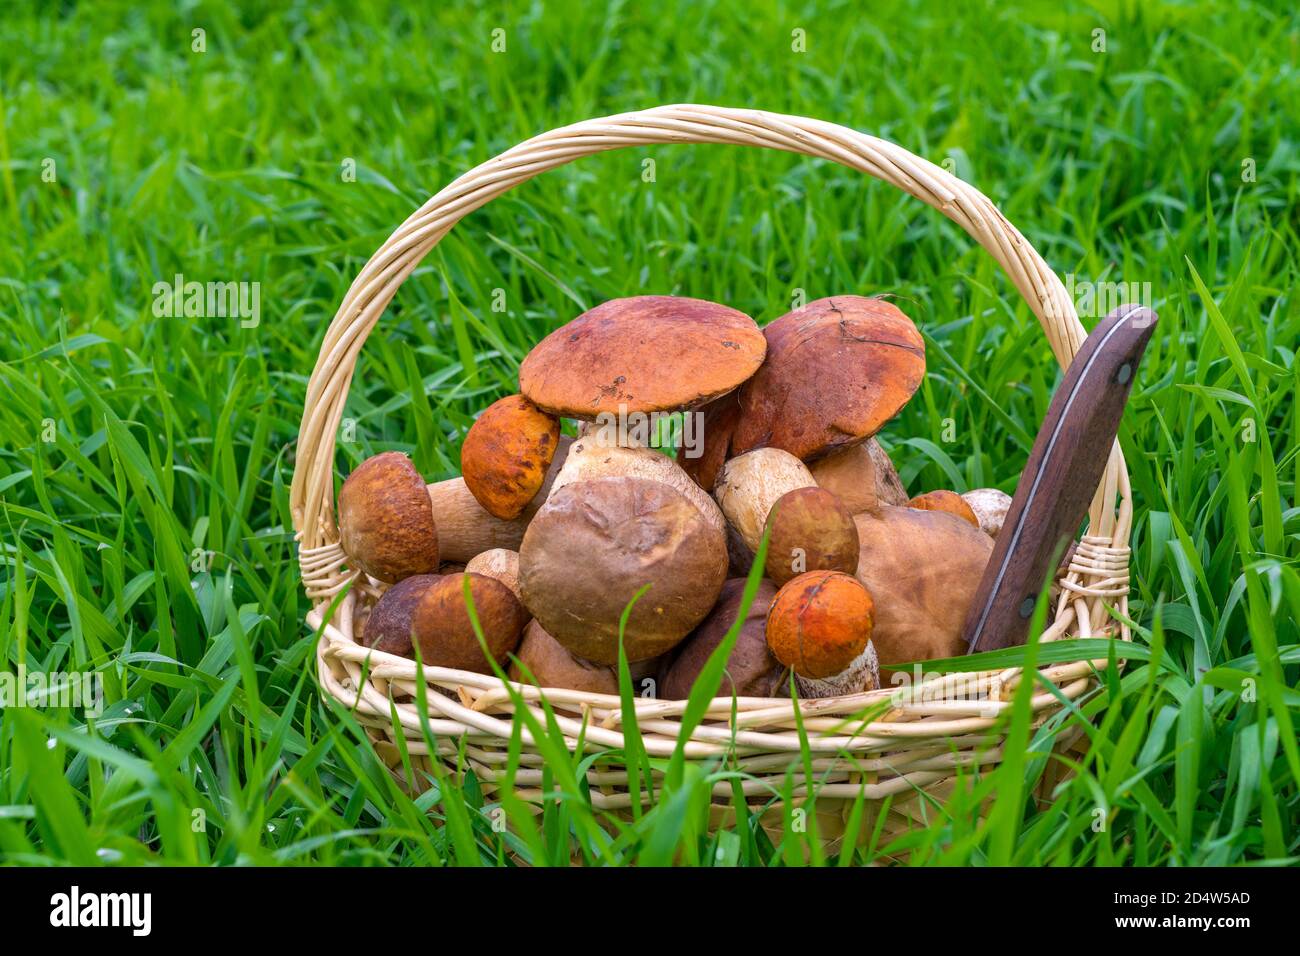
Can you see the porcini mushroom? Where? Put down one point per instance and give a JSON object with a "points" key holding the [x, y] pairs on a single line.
{"points": [[820, 626], [506, 454], [922, 569], [751, 483], [752, 670], [386, 521], [862, 476], [836, 371], [809, 530], [643, 354], [499, 563], [596, 542], [441, 623], [990, 506], [465, 528], [948, 501]]}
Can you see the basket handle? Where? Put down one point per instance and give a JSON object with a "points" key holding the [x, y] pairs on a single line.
{"points": [[311, 494]]}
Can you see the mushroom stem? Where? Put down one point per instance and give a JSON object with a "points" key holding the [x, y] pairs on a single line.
{"points": [[863, 673], [466, 529]]}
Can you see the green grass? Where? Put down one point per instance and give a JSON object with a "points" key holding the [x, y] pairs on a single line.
{"points": [[144, 462]]}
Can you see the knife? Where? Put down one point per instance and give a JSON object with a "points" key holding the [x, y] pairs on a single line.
{"points": [[1061, 478]]}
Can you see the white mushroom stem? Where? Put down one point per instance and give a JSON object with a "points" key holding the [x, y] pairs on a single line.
{"points": [[751, 483], [862, 674], [990, 506], [499, 563], [588, 460]]}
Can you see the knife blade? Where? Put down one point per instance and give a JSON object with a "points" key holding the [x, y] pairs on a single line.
{"points": [[1060, 480]]}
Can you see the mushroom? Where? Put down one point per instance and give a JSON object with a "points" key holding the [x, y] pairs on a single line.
{"points": [[465, 528], [836, 370], [820, 626], [596, 542], [506, 454], [990, 506], [499, 563], [551, 665], [751, 669], [948, 501], [441, 623], [388, 628], [861, 476], [644, 354], [809, 530], [386, 522], [751, 483], [587, 459], [922, 569]]}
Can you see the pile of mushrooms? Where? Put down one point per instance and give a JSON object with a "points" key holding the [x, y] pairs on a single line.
{"points": [[570, 546]]}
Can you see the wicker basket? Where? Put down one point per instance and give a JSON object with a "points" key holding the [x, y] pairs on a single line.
{"points": [[916, 743]]}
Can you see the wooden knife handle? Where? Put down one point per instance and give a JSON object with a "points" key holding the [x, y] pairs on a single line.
{"points": [[1061, 478]]}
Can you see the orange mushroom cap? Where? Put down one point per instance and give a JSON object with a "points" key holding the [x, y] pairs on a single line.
{"points": [[820, 623], [506, 454]]}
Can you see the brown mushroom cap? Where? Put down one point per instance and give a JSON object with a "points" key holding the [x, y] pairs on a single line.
{"points": [[386, 521], [752, 483], [388, 628], [820, 623], [751, 670], [506, 454], [552, 665], [836, 371], [922, 568], [648, 353], [809, 530], [442, 625], [948, 501], [862, 476], [595, 543]]}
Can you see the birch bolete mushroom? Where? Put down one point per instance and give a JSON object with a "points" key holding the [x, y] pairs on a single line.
{"points": [[862, 476], [990, 506], [644, 354], [466, 528], [386, 521], [441, 623], [752, 670], [922, 569], [948, 501], [506, 454], [809, 530], [597, 542], [820, 625], [836, 371], [750, 485]]}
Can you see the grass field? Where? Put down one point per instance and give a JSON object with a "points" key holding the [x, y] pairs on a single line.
{"points": [[145, 459]]}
